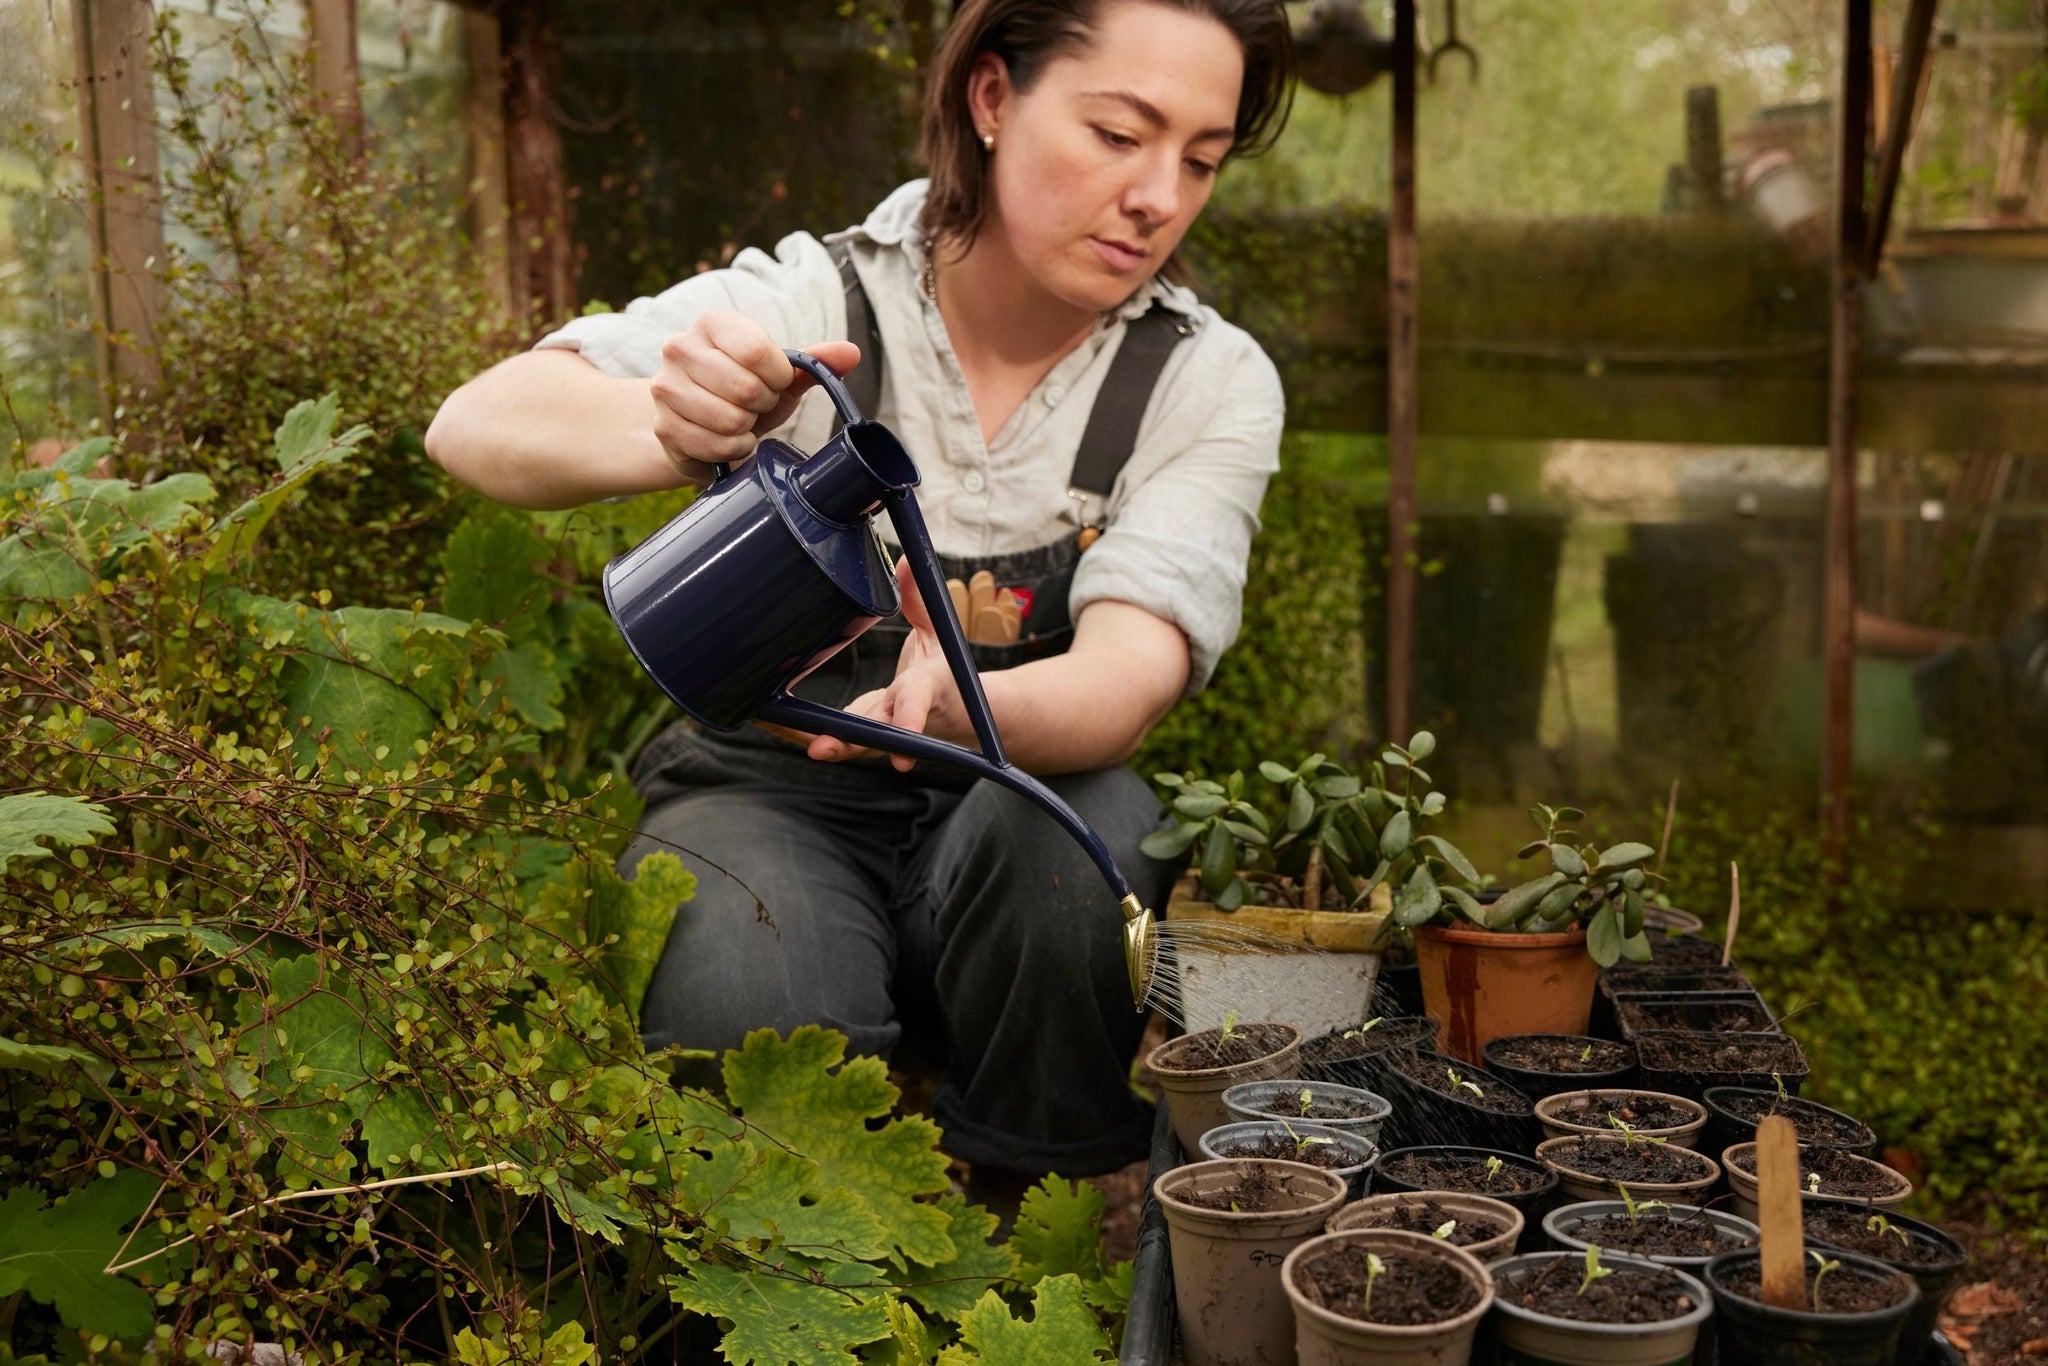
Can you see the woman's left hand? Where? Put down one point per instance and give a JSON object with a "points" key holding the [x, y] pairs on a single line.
{"points": [[922, 697]]}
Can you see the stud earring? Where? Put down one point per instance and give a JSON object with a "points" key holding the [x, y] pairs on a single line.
{"points": [[988, 142]]}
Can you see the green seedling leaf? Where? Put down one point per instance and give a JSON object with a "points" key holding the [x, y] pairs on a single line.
{"points": [[59, 1254], [28, 818]]}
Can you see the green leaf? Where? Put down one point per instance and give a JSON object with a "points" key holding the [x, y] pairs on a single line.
{"points": [[1603, 936], [137, 933], [40, 572], [1249, 834], [1199, 806], [1219, 860], [1337, 789], [1232, 896], [1395, 839], [305, 445], [951, 1288], [50, 1060], [58, 1255], [1468, 905], [1557, 904], [629, 921], [1169, 843], [491, 564], [1419, 899], [798, 1092], [1301, 808], [1566, 859], [1514, 903], [29, 817], [1626, 856], [1636, 948], [1422, 746], [397, 1122], [1433, 804], [1451, 854], [1062, 1330], [791, 1311], [1275, 773], [1059, 1232]]}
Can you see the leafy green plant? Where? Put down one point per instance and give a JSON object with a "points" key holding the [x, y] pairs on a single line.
{"points": [[1234, 836], [1600, 889], [1594, 1271]]}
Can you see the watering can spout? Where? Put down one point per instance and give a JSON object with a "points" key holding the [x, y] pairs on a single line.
{"points": [[775, 568]]}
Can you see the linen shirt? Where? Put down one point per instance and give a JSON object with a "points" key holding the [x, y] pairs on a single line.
{"points": [[1178, 525]]}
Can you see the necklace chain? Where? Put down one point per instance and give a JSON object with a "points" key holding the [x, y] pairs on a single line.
{"points": [[928, 280]]}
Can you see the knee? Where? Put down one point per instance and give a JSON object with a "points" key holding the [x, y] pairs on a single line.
{"points": [[1016, 844]]}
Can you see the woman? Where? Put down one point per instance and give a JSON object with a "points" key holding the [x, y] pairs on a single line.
{"points": [[1071, 144]]}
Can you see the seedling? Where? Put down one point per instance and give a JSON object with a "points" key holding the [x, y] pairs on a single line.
{"points": [[1374, 1269], [1826, 1265], [1236, 1208], [1586, 1053], [1491, 1170], [1813, 1183], [1636, 1207], [1779, 1082], [1229, 1030], [1308, 1101], [1458, 1083], [1630, 1135], [1594, 1271], [1445, 1229], [1302, 1142], [1365, 1028], [1880, 1225]]}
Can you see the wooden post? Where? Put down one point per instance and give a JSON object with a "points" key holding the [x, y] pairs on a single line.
{"points": [[1838, 749], [1703, 147], [543, 261], [484, 117], [1907, 87], [1403, 422], [337, 74], [124, 217]]}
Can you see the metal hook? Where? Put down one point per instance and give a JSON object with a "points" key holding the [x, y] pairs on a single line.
{"points": [[1450, 44]]}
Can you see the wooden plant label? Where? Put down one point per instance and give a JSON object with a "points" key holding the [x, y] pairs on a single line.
{"points": [[1778, 1213]]}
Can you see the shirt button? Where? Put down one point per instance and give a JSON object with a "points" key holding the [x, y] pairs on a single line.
{"points": [[974, 483], [1054, 395]]}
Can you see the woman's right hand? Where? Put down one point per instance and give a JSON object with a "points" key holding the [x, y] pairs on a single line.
{"points": [[724, 383]]}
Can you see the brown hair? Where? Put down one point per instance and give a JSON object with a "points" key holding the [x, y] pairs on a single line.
{"points": [[1026, 35]]}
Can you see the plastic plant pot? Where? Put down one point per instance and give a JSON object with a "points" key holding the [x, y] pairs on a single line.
{"points": [[1671, 920], [1556, 1114], [1686, 1064], [1758, 1334], [1537, 1082], [1728, 1122], [1684, 950], [1226, 1263], [1528, 1335], [1375, 1211], [1537, 1183], [1739, 1161], [1283, 1100], [1194, 1091], [1625, 979], [1249, 1138], [1561, 1227], [1325, 1337], [1358, 1057], [1578, 1184], [1711, 1012], [1922, 1251], [1429, 1107]]}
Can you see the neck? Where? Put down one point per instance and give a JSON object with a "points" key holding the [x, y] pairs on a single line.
{"points": [[994, 311]]}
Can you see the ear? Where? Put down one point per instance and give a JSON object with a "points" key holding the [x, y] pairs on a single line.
{"points": [[988, 91]]}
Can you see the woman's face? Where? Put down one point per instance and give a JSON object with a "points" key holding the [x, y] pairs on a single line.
{"points": [[1102, 165]]}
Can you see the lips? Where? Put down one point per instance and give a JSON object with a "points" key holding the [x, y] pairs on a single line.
{"points": [[1119, 255]]}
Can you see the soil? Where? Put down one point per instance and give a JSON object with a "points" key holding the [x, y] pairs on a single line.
{"points": [[1561, 1053], [1322, 1105], [1678, 951], [1678, 1051], [1206, 1050], [1424, 1215], [1623, 1295], [1617, 1159], [1620, 981], [1432, 1070], [1851, 1229], [1659, 1234], [1314, 1153], [1713, 1017], [1843, 1175], [1396, 1031], [1466, 1173], [1845, 1290], [1813, 1123], [1640, 1111], [1411, 1291], [1256, 1193]]}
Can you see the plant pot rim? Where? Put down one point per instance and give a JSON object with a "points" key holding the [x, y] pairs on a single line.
{"points": [[1382, 1106], [1715, 1107], [1507, 1155], [1349, 1140], [1702, 1309], [1562, 1222], [1490, 1207], [1420, 1244], [1602, 1092], [1959, 1256], [1336, 1189], [1203, 1073], [1510, 940], [1329, 931], [1717, 1269], [1903, 1182], [1712, 1168]]}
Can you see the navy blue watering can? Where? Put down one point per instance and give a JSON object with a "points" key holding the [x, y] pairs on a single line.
{"points": [[774, 568]]}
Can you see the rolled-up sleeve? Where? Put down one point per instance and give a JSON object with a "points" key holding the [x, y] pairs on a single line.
{"points": [[1178, 540]]}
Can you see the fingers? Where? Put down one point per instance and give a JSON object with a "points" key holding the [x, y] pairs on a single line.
{"points": [[724, 382], [913, 601], [839, 357]]}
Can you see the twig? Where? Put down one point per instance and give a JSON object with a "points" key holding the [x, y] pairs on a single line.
{"points": [[1670, 811], [1734, 913], [321, 1193]]}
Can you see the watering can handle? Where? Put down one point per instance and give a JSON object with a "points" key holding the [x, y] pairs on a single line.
{"points": [[835, 389]]}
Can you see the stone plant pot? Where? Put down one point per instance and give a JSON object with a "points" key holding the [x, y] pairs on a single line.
{"points": [[1561, 1226], [1739, 1161], [1194, 1089], [1818, 1127], [1324, 1337], [1481, 984], [1527, 1335], [1282, 1100], [1226, 1264], [1554, 1113], [1243, 1138], [1557, 1154], [1757, 1334], [1929, 1256], [1374, 1210], [1328, 988]]}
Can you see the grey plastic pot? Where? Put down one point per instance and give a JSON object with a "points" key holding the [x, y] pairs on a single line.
{"points": [[1227, 1264], [1360, 1152], [1526, 1335], [1368, 1212], [1324, 1337], [1282, 1100], [1562, 1223], [1550, 1111], [1194, 1095], [1742, 1183], [1555, 1153]]}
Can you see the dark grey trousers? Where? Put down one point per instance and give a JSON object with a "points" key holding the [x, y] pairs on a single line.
{"points": [[923, 907]]}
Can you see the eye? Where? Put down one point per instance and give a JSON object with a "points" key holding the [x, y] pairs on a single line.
{"points": [[1204, 169], [1115, 139]]}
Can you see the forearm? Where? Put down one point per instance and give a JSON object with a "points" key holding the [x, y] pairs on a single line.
{"points": [[1091, 707], [546, 429]]}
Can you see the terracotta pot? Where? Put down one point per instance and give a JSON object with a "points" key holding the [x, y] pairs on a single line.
{"points": [[1226, 1264], [1237, 968], [1323, 1337], [1551, 1109], [1480, 985], [1742, 1184], [1194, 1096], [1366, 1213], [1526, 1335], [1555, 1153]]}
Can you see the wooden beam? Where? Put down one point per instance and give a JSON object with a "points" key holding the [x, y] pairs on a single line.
{"points": [[1838, 746], [1403, 356], [489, 193], [1703, 148], [337, 73], [543, 259], [124, 218], [1907, 86]]}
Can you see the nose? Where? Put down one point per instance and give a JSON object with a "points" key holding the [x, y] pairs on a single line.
{"points": [[1153, 197]]}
